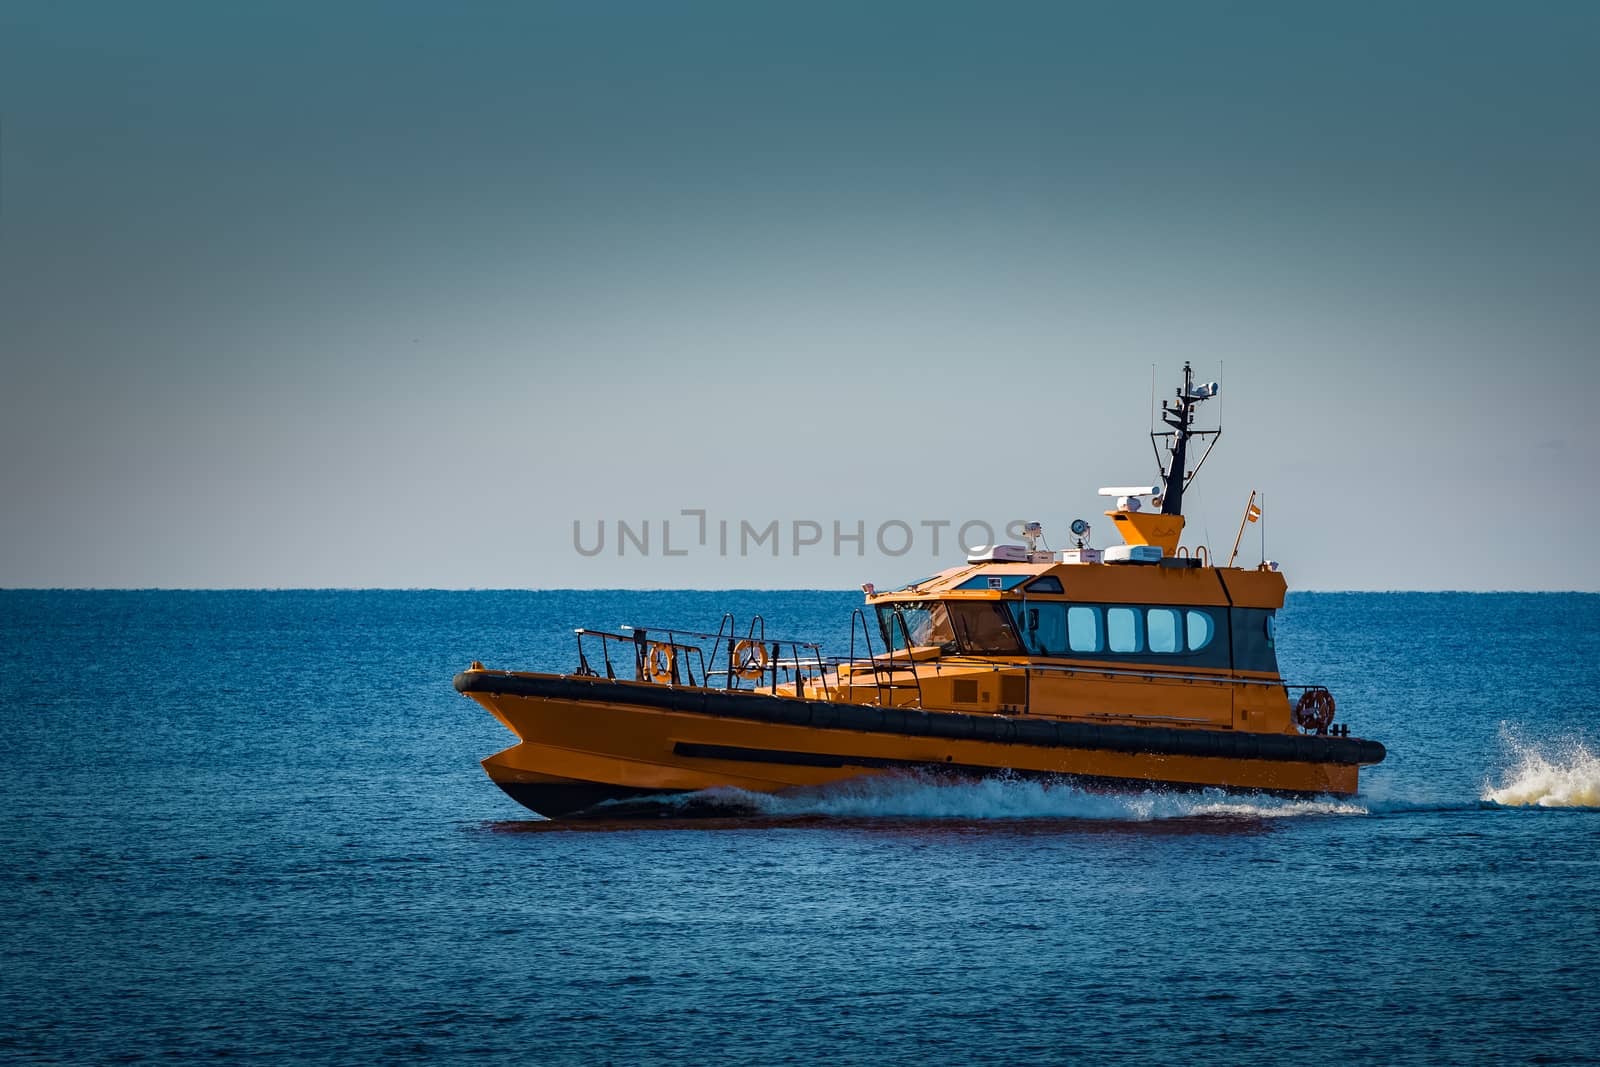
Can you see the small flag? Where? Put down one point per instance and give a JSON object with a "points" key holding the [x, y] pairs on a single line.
{"points": [[1254, 514]]}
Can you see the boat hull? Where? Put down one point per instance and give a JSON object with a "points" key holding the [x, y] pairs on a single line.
{"points": [[586, 741]]}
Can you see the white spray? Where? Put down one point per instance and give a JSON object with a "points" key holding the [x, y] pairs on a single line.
{"points": [[1563, 775]]}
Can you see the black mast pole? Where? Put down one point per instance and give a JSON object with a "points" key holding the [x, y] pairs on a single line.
{"points": [[1179, 417]]}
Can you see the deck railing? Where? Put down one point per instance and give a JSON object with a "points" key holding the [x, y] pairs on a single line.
{"points": [[660, 655], [755, 661]]}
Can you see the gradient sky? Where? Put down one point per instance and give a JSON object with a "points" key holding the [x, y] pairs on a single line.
{"points": [[390, 295]]}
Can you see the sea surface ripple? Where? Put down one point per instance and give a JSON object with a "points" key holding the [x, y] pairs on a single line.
{"points": [[251, 825]]}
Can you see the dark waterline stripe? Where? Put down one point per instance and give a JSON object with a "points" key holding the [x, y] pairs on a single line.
{"points": [[961, 770]]}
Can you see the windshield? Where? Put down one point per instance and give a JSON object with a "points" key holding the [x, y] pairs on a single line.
{"points": [[954, 626], [926, 623]]}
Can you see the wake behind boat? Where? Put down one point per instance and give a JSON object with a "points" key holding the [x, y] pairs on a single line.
{"points": [[1137, 666]]}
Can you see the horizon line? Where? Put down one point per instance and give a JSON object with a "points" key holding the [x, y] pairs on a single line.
{"points": [[633, 589]]}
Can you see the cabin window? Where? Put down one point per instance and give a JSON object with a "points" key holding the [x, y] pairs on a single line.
{"points": [[1048, 584], [1055, 629], [926, 624], [984, 627], [1083, 629], [1201, 630], [1164, 630], [1138, 633], [1043, 627], [1124, 632], [1002, 582], [1251, 633], [977, 626]]}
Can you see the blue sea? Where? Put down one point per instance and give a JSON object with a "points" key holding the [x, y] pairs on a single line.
{"points": [[251, 826]]}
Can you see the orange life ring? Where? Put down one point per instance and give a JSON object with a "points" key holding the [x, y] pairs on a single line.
{"points": [[659, 662], [1314, 710], [749, 659]]}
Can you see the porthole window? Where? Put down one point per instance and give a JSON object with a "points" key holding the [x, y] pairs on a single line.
{"points": [[1083, 629], [1202, 628], [1124, 629], [1164, 629]]}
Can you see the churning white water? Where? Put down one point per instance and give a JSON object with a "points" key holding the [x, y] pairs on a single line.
{"points": [[1561, 775], [912, 797]]}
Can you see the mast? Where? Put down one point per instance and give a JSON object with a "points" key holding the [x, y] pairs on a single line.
{"points": [[1179, 414]]}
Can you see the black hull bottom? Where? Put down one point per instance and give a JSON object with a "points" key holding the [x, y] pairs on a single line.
{"points": [[556, 800]]}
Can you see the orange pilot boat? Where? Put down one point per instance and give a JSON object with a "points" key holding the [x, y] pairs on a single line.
{"points": [[1140, 666]]}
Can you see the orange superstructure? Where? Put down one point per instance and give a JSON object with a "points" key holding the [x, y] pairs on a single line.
{"points": [[1142, 667]]}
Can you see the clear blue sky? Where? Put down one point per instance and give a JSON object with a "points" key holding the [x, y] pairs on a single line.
{"points": [[391, 295]]}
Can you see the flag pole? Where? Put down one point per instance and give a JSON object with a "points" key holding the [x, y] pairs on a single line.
{"points": [[1250, 504], [1263, 535]]}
